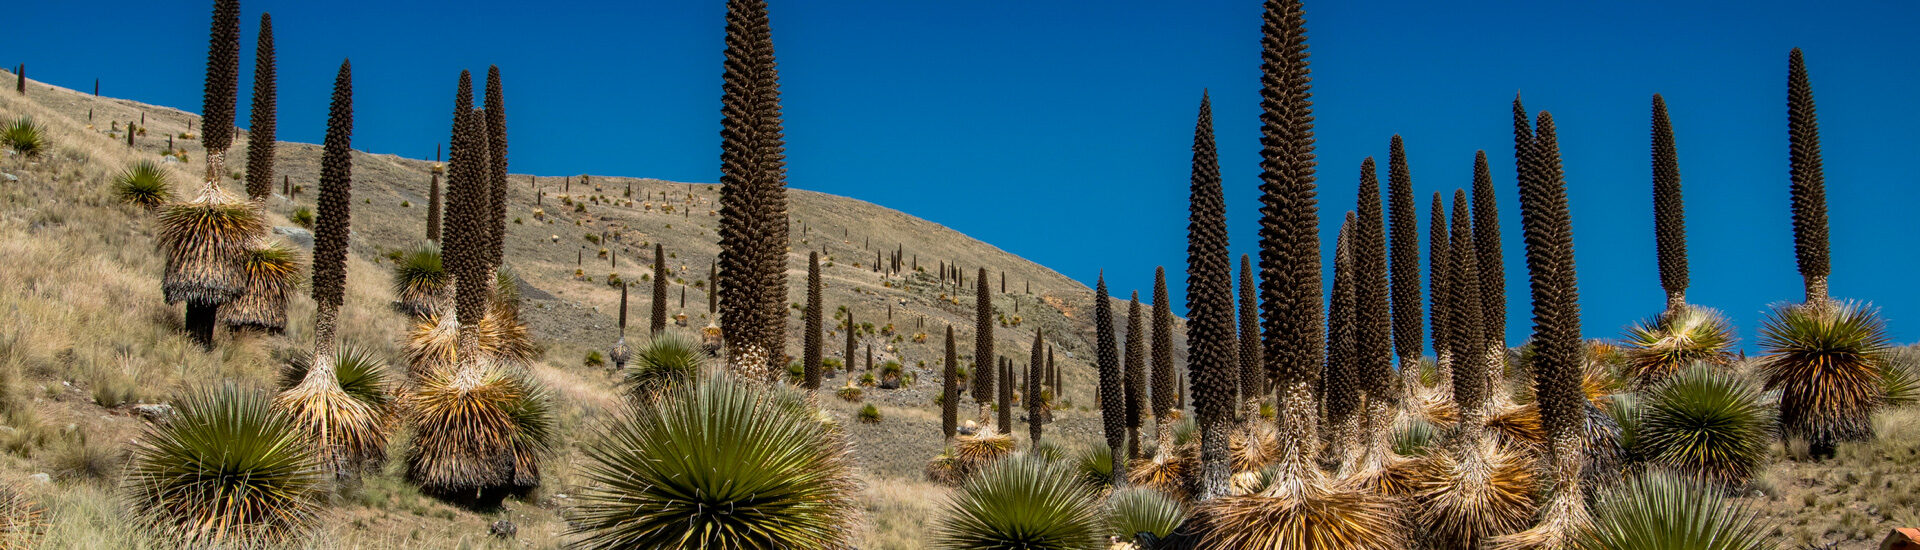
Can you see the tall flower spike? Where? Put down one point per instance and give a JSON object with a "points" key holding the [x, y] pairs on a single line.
{"points": [[1438, 278], [1341, 392], [1289, 227], [1466, 327], [811, 338], [1212, 356], [497, 172], [1253, 373], [1112, 398], [950, 390], [1135, 363], [261, 127], [658, 321], [468, 201], [1486, 241], [334, 212], [1161, 349], [1030, 395], [983, 337], [1808, 181], [1408, 330], [223, 78], [1372, 321], [1669, 213]]}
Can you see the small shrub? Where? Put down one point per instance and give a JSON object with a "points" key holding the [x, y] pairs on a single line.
{"points": [[849, 392], [594, 359], [870, 414], [1020, 502], [25, 137], [302, 217], [144, 184], [1666, 511]]}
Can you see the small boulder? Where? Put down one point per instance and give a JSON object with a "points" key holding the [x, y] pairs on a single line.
{"points": [[503, 529], [299, 236], [154, 412], [40, 479]]}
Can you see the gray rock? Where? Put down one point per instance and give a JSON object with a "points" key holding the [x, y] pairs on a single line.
{"points": [[40, 478], [503, 529], [9, 177], [299, 236], [155, 412]]}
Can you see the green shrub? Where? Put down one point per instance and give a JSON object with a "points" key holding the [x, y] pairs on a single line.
{"points": [[1707, 423], [25, 137], [1021, 502], [1138, 513], [667, 361], [230, 470], [724, 463], [144, 184], [1660, 511], [869, 414], [302, 217]]}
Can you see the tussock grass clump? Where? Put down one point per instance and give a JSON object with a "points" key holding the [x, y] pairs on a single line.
{"points": [[1659, 347], [1825, 360], [25, 137], [1021, 502], [1176, 472], [1659, 511], [144, 184], [668, 361], [869, 414], [22, 520], [1709, 424], [421, 281], [1143, 515], [724, 463], [229, 471]]}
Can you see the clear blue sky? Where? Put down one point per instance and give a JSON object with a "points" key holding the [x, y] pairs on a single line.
{"points": [[1060, 131]]}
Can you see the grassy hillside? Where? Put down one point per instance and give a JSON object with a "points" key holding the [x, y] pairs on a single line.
{"points": [[85, 336]]}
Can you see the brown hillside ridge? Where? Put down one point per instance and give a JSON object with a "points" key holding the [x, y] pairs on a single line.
{"points": [[570, 316]]}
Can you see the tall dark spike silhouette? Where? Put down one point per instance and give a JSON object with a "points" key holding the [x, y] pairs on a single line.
{"points": [[1372, 330], [333, 216], [1161, 348], [434, 205], [1465, 324], [847, 364], [1135, 363], [1253, 373], [1340, 391], [1003, 417], [753, 222], [1490, 261], [1808, 182], [1558, 349], [1113, 421], [1408, 331], [223, 79], [1031, 394], [658, 321], [468, 201], [983, 336], [496, 106], [1669, 213], [713, 294], [810, 332], [1211, 339], [950, 389], [1438, 278], [261, 131], [1289, 228]]}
